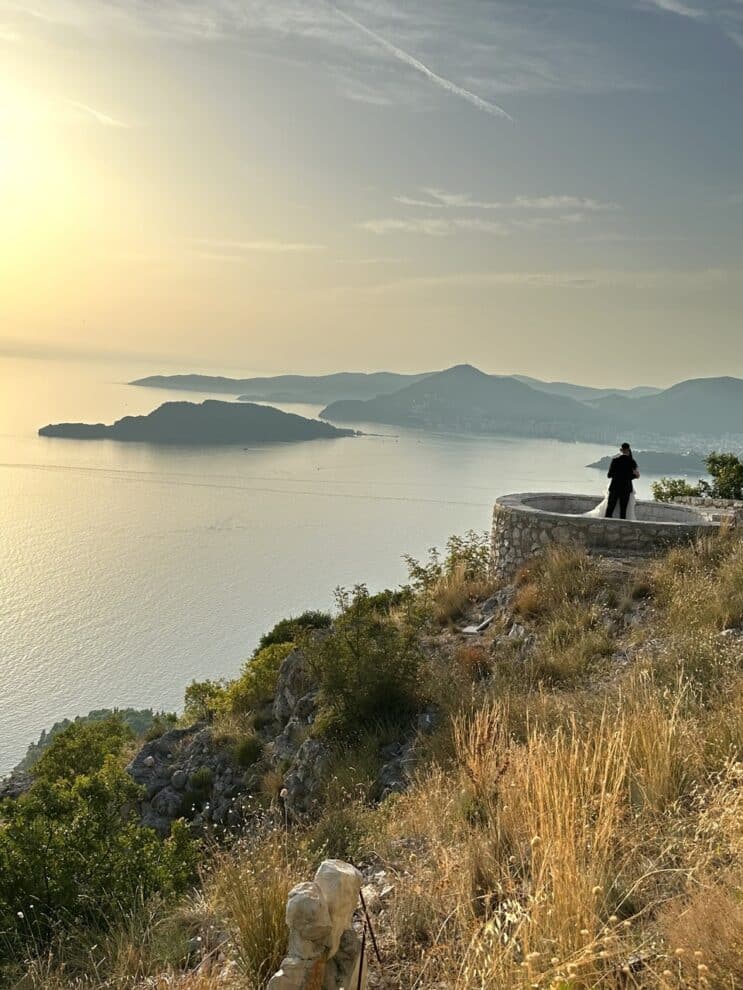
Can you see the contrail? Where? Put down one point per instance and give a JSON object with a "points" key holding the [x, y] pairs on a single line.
{"points": [[101, 118], [413, 62]]}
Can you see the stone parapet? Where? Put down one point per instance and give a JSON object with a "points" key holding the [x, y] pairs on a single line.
{"points": [[524, 525]]}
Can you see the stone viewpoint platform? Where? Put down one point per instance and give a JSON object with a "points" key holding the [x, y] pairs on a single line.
{"points": [[525, 524]]}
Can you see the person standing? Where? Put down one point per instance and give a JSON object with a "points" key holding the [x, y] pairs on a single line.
{"points": [[622, 472]]}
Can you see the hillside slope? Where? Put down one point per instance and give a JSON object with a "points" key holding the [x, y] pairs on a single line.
{"points": [[463, 399]]}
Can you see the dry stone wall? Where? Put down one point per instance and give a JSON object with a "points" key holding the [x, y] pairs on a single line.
{"points": [[524, 525]]}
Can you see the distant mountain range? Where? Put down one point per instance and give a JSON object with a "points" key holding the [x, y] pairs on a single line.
{"points": [[465, 400], [211, 422], [318, 389], [585, 393], [662, 462]]}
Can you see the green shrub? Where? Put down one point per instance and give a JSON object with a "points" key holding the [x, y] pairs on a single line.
{"points": [[248, 751], [291, 629], [367, 667], [71, 850], [202, 780], [468, 556], [667, 489], [257, 683], [82, 748], [725, 470], [203, 699]]}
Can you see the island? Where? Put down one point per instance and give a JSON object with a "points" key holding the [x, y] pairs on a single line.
{"points": [[209, 423], [662, 462]]}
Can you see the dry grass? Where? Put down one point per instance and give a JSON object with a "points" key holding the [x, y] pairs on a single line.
{"points": [[247, 890], [569, 831], [452, 593]]}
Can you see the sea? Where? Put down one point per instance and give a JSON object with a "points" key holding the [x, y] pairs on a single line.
{"points": [[129, 570]]}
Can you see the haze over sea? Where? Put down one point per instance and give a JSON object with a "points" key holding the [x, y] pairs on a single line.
{"points": [[128, 570]]}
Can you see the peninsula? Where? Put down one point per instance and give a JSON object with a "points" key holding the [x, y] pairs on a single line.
{"points": [[208, 423]]}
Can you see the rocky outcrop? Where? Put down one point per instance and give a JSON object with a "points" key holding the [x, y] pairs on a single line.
{"points": [[15, 785], [184, 775], [324, 951]]}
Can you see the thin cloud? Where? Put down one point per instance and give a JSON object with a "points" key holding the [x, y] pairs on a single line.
{"points": [[104, 119], [561, 203], [451, 87], [675, 7], [434, 226], [440, 199]]}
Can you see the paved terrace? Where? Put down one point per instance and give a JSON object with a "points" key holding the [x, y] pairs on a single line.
{"points": [[525, 524]]}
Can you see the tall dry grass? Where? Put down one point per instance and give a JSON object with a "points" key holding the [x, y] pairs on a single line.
{"points": [[247, 890]]}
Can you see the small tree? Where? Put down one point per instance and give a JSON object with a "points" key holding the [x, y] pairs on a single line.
{"points": [[368, 666], [667, 489], [72, 851], [726, 471]]}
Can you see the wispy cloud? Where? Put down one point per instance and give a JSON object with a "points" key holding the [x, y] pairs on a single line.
{"points": [[441, 199], [675, 7], [562, 203], [415, 63], [104, 119], [434, 226], [262, 247]]}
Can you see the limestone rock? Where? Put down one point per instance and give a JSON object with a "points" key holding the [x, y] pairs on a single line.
{"points": [[324, 951], [294, 683]]}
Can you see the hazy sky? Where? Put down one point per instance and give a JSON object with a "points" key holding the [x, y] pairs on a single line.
{"points": [[553, 187]]}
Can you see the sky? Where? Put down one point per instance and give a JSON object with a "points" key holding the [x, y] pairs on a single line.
{"points": [[546, 187]]}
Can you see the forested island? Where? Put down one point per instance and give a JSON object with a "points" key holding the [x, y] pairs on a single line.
{"points": [[211, 422]]}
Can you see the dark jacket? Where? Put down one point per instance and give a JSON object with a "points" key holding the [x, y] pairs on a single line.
{"points": [[622, 471]]}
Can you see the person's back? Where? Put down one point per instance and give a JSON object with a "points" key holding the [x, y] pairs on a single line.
{"points": [[622, 471]]}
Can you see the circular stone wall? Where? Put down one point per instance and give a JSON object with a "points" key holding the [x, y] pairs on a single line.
{"points": [[523, 525]]}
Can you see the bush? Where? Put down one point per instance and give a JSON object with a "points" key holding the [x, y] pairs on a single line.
{"points": [[257, 683], [203, 700], [71, 850], [726, 471], [201, 781], [667, 489], [291, 629], [81, 749], [248, 751], [468, 556], [367, 667]]}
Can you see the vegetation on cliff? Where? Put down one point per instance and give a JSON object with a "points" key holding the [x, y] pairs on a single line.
{"points": [[725, 471], [574, 819]]}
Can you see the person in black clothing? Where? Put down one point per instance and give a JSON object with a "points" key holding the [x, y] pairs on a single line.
{"points": [[622, 471]]}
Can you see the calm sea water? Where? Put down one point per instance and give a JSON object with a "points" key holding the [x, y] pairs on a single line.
{"points": [[128, 570]]}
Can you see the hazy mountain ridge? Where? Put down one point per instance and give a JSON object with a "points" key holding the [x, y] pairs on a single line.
{"points": [[463, 399], [321, 389], [209, 422], [586, 393], [661, 462]]}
